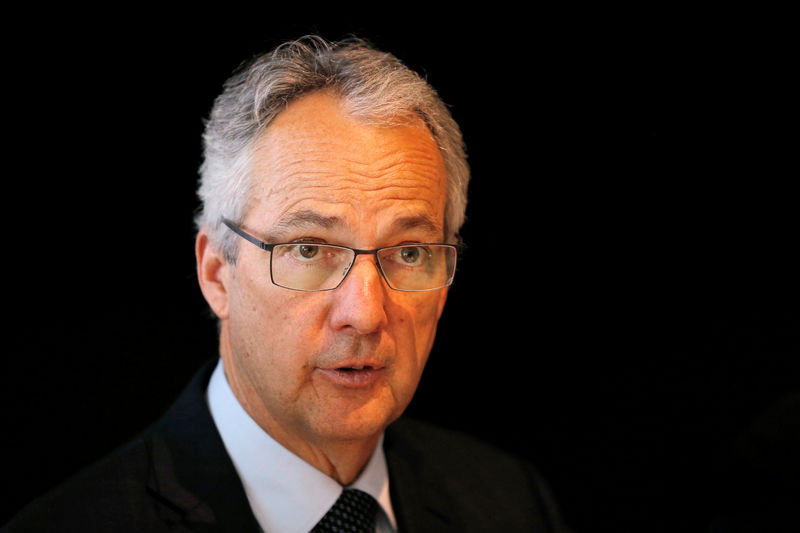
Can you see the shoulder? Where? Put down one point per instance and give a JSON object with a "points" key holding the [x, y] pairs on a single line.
{"points": [[479, 478], [95, 498], [423, 441], [453, 451], [136, 487]]}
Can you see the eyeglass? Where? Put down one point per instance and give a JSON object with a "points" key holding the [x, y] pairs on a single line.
{"points": [[310, 266]]}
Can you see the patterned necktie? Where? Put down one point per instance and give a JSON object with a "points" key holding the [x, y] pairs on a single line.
{"points": [[353, 512]]}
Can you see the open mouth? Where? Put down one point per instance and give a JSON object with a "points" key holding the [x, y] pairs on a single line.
{"points": [[354, 376]]}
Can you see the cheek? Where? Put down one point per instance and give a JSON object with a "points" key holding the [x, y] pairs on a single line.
{"points": [[261, 306], [276, 328], [417, 330], [252, 321], [274, 350], [431, 312]]}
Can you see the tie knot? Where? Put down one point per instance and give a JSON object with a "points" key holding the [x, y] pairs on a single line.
{"points": [[353, 512]]}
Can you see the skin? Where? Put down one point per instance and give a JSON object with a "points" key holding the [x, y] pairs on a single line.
{"points": [[327, 177]]}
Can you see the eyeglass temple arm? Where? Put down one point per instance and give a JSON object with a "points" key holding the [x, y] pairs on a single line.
{"points": [[246, 236]]}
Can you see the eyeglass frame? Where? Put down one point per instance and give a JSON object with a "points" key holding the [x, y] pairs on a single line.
{"points": [[374, 252]]}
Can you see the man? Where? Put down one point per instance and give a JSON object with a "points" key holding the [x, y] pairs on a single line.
{"points": [[333, 188]]}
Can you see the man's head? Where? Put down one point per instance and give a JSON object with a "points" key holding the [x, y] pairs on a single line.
{"points": [[373, 85], [351, 149]]}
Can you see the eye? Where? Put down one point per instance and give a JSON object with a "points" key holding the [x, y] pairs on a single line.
{"points": [[412, 255], [307, 251], [303, 252]]}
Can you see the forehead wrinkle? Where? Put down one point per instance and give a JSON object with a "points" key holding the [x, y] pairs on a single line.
{"points": [[333, 187], [410, 160], [399, 172], [293, 150]]}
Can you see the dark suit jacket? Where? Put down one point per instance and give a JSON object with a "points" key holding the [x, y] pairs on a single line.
{"points": [[177, 476]]}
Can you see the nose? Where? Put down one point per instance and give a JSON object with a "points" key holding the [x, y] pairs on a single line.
{"points": [[360, 301]]}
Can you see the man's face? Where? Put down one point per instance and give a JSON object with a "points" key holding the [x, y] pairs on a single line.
{"points": [[324, 177]]}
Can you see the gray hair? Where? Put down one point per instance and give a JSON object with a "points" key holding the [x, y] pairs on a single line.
{"points": [[375, 86]]}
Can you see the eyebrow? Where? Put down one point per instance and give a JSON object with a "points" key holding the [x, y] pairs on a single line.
{"points": [[423, 222], [301, 219], [308, 218]]}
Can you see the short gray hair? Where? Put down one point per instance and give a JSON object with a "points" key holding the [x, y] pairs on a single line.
{"points": [[376, 87]]}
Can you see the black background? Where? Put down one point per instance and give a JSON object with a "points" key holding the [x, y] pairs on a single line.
{"points": [[627, 304]]}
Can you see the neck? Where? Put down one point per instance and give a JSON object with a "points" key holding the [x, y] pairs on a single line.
{"points": [[343, 461]]}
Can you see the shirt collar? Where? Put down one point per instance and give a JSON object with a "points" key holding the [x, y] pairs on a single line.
{"points": [[285, 493]]}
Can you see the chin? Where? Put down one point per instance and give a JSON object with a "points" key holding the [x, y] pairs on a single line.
{"points": [[361, 424]]}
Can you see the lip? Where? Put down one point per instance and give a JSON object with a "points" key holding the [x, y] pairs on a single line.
{"points": [[357, 376]]}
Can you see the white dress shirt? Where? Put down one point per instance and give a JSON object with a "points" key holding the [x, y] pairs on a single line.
{"points": [[286, 494]]}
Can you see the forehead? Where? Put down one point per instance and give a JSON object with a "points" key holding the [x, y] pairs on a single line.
{"points": [[314, 159]]}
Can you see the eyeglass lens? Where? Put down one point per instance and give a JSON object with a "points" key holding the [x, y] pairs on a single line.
{"points": [[319, 267]]}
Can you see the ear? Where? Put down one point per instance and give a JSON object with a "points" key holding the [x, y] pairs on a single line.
{"points": [[213, 273]]}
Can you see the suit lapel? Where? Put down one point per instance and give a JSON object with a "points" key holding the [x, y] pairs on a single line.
{"points": [[420, 502], [191, 474]]}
